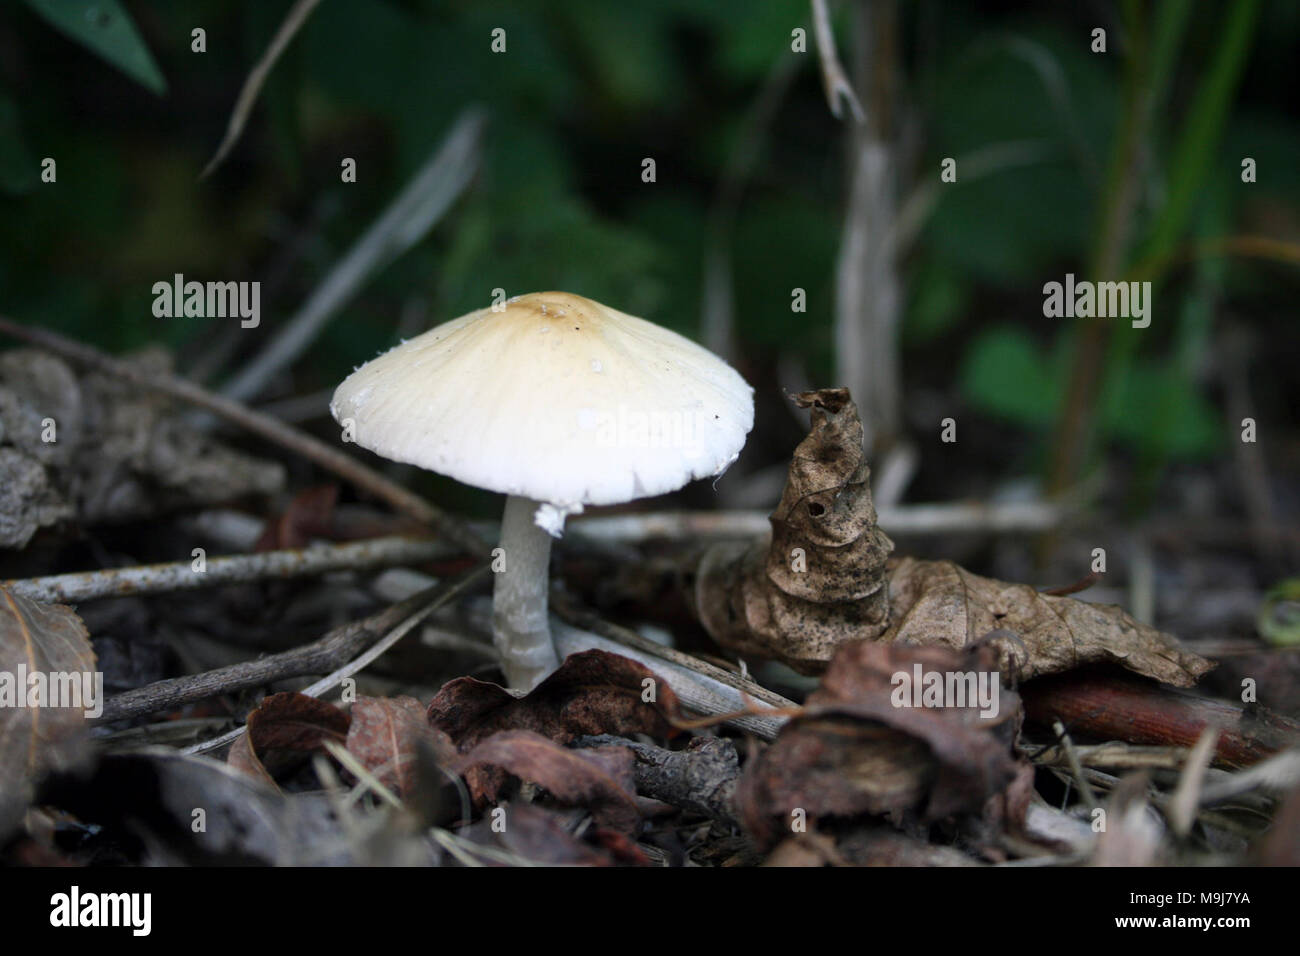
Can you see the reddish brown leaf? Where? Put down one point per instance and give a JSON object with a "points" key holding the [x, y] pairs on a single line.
{"points": [[593, 692], [572, 777], [385, 735], [283, 730]]}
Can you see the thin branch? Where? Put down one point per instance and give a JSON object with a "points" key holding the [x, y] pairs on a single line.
{"points": [[293, 21], [331, 459], [229, 569]]}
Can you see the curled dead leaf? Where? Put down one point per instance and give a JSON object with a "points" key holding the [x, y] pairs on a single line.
{"points": [[824, 581], [863, 747], [284, 730]]}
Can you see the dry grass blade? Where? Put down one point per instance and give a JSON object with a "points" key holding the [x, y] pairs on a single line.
{"points": [[293, 22], [407, 219], [838, 88], [1183, 804]]}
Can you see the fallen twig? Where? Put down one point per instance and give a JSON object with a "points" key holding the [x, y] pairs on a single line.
{"points": [[229, 569], [960, 517]]}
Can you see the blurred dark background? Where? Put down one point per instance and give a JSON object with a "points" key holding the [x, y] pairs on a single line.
{"points": [[1108, 165]]}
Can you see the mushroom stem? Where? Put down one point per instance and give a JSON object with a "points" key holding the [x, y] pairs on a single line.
{"points": [[519, 621]]}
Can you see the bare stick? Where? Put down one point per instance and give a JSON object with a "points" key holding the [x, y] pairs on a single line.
{"points": [[293, 21], [959, 517], [1118, 707], [326, 456], [231, 569]]}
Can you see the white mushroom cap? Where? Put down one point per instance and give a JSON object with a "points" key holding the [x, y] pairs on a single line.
{"points": [[556, 398]]}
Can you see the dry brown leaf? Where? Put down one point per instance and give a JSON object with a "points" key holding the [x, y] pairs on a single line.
{"points": [[937, 602], [283, 730], [47, 642], [825, 581], [385, 735], [573, 777], [593, 692]]}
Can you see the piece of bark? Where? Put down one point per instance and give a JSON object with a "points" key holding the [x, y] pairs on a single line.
{"points": [[702, 778]]}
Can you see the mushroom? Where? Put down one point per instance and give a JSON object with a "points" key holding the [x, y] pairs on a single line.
{"points": [[559, 402]]}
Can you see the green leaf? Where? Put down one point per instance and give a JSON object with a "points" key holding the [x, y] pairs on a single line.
{"points": [[1006, 374], [105, 28], [1157, 410]]}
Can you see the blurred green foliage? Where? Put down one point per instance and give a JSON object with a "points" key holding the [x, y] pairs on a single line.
{"points": [[585, 91]]}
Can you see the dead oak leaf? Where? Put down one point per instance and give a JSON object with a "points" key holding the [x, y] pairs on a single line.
{"points": [[938, 602], [309, 515]]}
